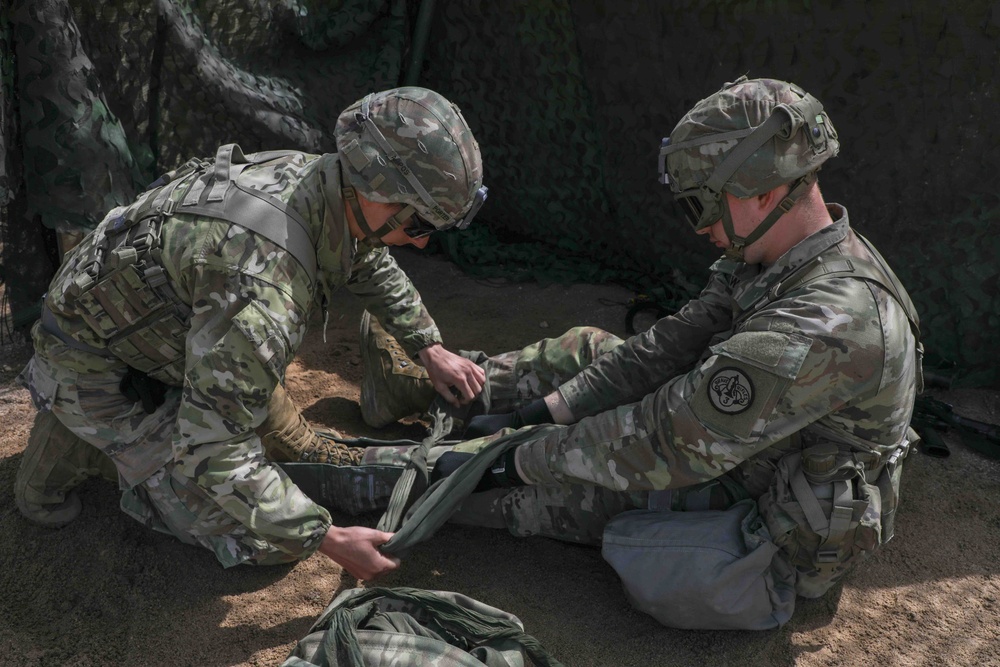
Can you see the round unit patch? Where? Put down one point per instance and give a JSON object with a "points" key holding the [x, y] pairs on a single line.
{"points": [[730, 391]]}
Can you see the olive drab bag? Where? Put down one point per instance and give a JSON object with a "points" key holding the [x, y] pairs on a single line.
{"points": [[409, 626]]}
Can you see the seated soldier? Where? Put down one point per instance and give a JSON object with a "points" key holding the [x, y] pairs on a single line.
{"points": [[803, 343], [166, 334]]}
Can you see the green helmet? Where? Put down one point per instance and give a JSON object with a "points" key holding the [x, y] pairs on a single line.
{"points": [[411, 146], [747, 139]]}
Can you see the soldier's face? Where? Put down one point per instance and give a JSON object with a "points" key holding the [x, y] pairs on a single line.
{"points": [[746, 215], [716, 234]]}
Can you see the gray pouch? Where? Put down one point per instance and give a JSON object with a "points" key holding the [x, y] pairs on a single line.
{"points": [[708, 570]]}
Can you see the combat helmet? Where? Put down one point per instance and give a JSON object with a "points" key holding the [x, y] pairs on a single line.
{"points": [[411, 146], [747, 139]]}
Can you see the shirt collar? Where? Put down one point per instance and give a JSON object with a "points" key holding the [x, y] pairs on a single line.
{"points": [[754, 283]]}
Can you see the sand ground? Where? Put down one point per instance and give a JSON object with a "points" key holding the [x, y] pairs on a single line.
{"points": [[106, 591]]}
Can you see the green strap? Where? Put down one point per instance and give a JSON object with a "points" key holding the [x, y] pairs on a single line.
{"points": [[434, 507], [832, 529], [743, 150], [415, 479], [225, 158], [834, 265], [267, 216], [803, 492], [841, 515], [738, 243]]}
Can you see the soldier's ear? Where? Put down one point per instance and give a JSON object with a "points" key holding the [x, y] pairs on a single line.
{"points": [[768, 200]]}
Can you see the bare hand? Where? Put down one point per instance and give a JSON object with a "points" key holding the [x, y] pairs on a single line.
{"points": [[355, 549], [448, 371]]}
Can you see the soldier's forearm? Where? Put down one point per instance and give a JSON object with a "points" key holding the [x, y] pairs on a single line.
{"points": [[560, 410]]}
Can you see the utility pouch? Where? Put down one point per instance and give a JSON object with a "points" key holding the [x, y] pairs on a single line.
{"points": [[828, 509], [124, 295], [707, 570]]}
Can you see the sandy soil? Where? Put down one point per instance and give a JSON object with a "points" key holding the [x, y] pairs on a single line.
{"points": [[105, 591]]}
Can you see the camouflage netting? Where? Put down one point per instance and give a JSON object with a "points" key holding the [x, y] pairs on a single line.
{"points": [[569, 101]]}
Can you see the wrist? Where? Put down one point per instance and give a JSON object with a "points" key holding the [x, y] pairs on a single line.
{"points": [[429, 352], [332, 541]]}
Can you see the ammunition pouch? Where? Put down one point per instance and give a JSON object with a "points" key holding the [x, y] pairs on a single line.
{"points": [[123, 293]]}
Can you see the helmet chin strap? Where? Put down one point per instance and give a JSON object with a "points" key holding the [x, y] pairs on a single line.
{"points": [[739, 243], [373, 238]]}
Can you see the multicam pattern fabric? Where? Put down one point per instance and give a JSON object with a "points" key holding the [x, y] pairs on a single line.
{"points": [[571, 512], [748, 104], [431, 137], [811, 366], [195, 464], [518, 377], [831, 361], [571, 148]]}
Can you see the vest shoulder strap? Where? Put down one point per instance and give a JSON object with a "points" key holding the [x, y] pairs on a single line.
{"points": [[835, 265], [252, 209]]}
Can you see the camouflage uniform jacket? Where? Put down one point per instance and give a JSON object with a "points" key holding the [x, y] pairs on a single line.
{"points": [[250, 302], [736, 372]]}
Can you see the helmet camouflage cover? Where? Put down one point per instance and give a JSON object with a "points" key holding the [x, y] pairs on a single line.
{"points": [[412, 146], [806, 139]]}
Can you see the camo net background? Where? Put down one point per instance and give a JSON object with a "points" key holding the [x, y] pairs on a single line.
{"points": [[569, 101]]}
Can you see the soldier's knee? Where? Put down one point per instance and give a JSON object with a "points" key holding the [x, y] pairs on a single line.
{"points": [[592, 342]]}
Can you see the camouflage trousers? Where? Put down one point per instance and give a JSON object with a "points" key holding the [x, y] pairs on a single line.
{"points": [[91, 407], [573, 513], [570, 512]]}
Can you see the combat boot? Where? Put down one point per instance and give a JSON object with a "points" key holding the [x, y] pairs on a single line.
{"points": [[287, 436], [54, 462], [393, 386]]}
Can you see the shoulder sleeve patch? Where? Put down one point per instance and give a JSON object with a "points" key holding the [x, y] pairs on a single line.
{"points": [[745, 378]]}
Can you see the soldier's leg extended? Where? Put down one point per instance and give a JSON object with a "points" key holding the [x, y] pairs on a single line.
{"points": [[393, 386], [572, 513], [54, 462], [519, 377]]}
